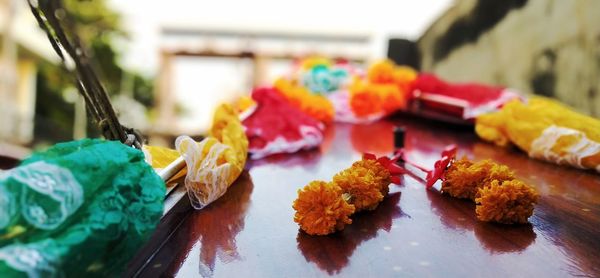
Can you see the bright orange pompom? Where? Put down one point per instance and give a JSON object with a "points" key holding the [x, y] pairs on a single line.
{"points": [[464, 178], [381, 174], [321, 208], [366, 182], [385, 89], [362, 101], [385, 72], [316, 106], [381, 72], [506, 202]]}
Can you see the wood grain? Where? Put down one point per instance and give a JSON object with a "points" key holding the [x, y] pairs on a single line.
{"points": [[415, 232]]}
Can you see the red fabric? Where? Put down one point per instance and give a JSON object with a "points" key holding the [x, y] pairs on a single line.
{"points": [[433, 175], [440, 166], [390, 164], [475, 94], [275, 117]]}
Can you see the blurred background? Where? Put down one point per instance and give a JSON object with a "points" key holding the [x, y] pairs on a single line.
{"points": [[167, 64]]}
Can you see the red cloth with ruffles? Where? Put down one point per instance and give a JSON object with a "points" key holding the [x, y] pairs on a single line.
{"points": [[275, 118], [474, 93]]}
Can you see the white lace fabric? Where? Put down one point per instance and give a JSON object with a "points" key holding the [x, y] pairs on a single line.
{"points": [[28, 259], [543, 147], [208, 173], [49, 195]]}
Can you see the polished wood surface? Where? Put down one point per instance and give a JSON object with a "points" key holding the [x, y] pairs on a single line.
{"points": [[7, 162], [415, 232]]}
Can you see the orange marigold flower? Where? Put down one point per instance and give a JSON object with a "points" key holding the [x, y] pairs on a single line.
{"points": [[364, 100], [464, 178], [372, 98], [366, 182], [393, 100], [321, 208], [381, 174], [381, 72], [364, 104], [506, 202], [316, 106], [387, 72]]}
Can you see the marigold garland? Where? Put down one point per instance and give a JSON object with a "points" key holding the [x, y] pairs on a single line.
{"points": [[316, 106], [322, 208], [498, 195], [366, 181], [385, 90], [464, 178], [386, 72], [506, 202], [370, 99], [381, 174]]}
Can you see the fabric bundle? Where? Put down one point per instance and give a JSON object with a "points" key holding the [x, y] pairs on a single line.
{"points": [[327, 91], [214, 163], [475, 99], [546, 130], [278, 127], [80, 208], [291, 114]]}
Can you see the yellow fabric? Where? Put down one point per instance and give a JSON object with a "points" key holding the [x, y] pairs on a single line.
{"points": [[545, 129], [160, 157], [244, 103], [226, 130]]}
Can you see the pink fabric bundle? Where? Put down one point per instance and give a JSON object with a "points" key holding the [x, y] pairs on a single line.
{"points": [[278, 127], [474, 99]]}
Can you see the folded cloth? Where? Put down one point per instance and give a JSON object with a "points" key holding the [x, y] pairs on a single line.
{"points": [[546, 130], [477, 98], [214, 163], [278, 127], [80, 208]]}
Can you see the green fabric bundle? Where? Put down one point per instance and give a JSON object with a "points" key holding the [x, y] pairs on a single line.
{"points": [[81, 208]]}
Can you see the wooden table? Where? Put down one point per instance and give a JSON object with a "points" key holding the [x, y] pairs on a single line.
{"points": [[250, 232]]}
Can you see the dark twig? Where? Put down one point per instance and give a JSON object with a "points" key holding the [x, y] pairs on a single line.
{"points": [[51, 16]]}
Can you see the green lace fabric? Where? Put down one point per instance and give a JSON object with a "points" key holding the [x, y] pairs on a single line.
{"points": [[80, 209]]}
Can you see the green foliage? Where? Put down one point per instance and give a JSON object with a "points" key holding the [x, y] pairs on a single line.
{"points": [[143, 90], [53, 115]]}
